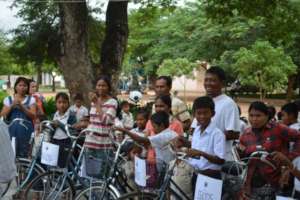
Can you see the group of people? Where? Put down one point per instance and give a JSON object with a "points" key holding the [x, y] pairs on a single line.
{"points": [[206, 135]]}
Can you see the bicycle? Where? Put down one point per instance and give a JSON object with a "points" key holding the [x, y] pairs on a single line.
{"points": [[113, 185], [58, 182], [168, 187], [236, 173]]}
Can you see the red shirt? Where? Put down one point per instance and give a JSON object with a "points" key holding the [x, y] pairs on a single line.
{"points": [[274, 137]]}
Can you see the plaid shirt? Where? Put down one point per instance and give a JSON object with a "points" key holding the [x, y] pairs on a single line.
{"points": [[274, 137]]}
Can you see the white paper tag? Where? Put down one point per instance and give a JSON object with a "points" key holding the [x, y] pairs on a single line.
{"points": [[13, 144], [208, 188], [50, 154], [140, 171]]}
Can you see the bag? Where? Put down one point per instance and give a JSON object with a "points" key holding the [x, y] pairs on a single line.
{"points": [[8, 168]]}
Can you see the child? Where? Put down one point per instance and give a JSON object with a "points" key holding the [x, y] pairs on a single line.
{"points": [[80, 110], [160, 141], [62, 116], [289, 115], [133, 149], [127, 118], [208, 142]]}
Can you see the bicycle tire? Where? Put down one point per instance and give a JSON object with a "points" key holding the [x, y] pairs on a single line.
{"points": [[86, 194], [139, 196], [23, 165], [46, 184]]}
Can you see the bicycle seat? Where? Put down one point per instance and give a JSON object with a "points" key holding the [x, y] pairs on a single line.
{"points": [[232, 168]]}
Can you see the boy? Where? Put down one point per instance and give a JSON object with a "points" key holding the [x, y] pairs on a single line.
{"points": [[289, 115], [127, 118], [208, 142], [160, 141], [78, 108]]}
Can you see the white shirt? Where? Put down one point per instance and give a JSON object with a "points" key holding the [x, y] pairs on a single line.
{"points": [[296, 163], [59, 133], [160, 143], [295, 126], [226, 118], [7, 103], [127, 120], [80, 112], [210, 141]]}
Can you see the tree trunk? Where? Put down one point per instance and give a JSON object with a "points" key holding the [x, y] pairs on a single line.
{"points": [[75, 62], [115, 41], [39, 75], [53, 83], [290, 88]]}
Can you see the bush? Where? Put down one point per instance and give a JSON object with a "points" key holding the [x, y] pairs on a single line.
{"points": [[3, 94], [49, 106]]}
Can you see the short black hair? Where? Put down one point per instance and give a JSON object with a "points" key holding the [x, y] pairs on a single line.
{"points": [[204, 102], [290, 109], [161, 118], [123, 103], [272, 111], [62, 95], [166, 99], [168, 80], [218, 71], [78, 96], [260, 106], [144, 112]]}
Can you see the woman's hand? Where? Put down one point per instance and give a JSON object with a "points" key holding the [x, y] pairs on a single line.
{"points": [[93, 97]]}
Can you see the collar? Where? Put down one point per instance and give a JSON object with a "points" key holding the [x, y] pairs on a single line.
{"points": [[61, 117], [208, 129]]}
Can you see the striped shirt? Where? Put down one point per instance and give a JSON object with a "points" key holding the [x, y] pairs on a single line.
{"points": [[100, 126]]}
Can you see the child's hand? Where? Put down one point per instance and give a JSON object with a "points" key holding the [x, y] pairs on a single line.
{"points": [[281, 159], [117, 128], [193, 153], [55, 123]]}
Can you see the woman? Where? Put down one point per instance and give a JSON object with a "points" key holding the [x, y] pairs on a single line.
{"points": [[267, 135], [20, 105], [99, 147]]}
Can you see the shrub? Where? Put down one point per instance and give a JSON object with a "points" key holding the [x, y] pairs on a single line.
{"points": [[3, 94], [49, 106]]}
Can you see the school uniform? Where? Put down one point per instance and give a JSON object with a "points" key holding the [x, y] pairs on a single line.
{"points": [[22, 133], [226, 118], [81, 112], [60, 138], [212, 142]]}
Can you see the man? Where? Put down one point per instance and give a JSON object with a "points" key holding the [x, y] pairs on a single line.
{"points": [[163, 86], [226, 111]]}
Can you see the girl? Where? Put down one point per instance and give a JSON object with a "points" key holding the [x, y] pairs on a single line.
{"points": [[99, 147], [62, 117], [164, 103], [20, 105], [39, 99]]}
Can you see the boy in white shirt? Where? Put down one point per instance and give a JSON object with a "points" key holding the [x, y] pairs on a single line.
{"points": [[208, 142], [289, 116], [127, 117], [80, 110], [160, 141]]}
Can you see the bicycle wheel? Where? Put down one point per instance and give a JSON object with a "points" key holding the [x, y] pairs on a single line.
{"points": [[47, 186], [24, 175], [95, 192], [139, 196]]}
